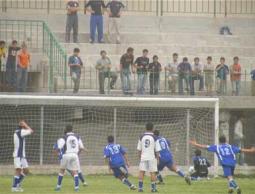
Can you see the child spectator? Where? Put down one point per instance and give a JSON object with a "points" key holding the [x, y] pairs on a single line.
{"points": [[197, 74], [22, 68], [235, 77], [253, 82], [222, 71], [201, 165], [11, 64], [184, 73], [154, 69], [75, 63], [209, 75], [172, 73]]}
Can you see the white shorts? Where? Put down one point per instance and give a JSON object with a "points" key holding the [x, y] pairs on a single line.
{"points": [[148, 166], [70, 161], [20, 163]]}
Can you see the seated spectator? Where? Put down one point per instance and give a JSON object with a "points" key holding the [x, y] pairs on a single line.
{"points": [[104, 66], [11, 64], [172, 73], [2, 53], [23, 62], [222, 72], [75, 63], [142, 64], [126, 62], [154, 69], [225, 30], [201, 166], [197, 74], [209, 75], [253, 82], [235, 77], [184, 73], [114, 9]]}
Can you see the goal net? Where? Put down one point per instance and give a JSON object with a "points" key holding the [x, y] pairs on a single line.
{"points": [[94, 118]]}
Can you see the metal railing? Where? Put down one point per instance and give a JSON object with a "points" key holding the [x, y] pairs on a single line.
{"points": [[155, 7], [38, 38]]}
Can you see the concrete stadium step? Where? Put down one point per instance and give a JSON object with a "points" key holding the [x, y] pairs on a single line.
{"points": [[197, 39], [162, 49]]}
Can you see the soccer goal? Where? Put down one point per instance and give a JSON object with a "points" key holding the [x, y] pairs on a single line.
{"points": [[94, 118]]}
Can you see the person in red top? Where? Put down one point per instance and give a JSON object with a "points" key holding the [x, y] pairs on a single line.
{"points": [[235, 77], [22, 68]]}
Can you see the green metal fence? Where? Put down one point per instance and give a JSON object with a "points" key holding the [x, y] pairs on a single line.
{"points": [[39, 38]]}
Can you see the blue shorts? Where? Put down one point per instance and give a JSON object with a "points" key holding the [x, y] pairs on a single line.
{"points": [[228, 170], [120, 171], [163, 164]]}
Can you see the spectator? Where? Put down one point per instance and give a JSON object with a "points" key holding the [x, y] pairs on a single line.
{"points": [[114, 9], [253, 82], [142, 64], [154, 69], [235, 77], [184, 73], [172, 73], [2, 53], [72, 8], [22, 68], [222, 71], [96, 19], [209, 74], [11, 64], [75, 63], [104, 66], [126, 62], [239, 138], [197, 74]]}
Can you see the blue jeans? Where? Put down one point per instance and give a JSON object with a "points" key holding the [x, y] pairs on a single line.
{"points": [[22, 75], [141, 79], [96, 23], [125, 80], [187, 81], [236, 86], [192, 83], [11, 74]]}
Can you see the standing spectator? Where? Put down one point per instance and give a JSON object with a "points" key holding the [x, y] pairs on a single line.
{"points": [[209, 75], [96, 19], [114, 9], [142, 64], [104, 66], [184, 73], [235, 77], [239, 138], [126, 62], [75, 63], [22, 68], [253, 82], [72, 22], [222, 71], [197, 74], [2, 53], [172, 75], [11, 64], [154, 69]]}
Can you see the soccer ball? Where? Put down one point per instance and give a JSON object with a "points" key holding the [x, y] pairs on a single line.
{"points": [[191, 170]]}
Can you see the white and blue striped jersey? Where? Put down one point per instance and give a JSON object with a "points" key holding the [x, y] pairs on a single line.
{"points": [[71, 143], [20, 143]]}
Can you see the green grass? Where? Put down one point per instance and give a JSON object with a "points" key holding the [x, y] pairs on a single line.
{"points": [[104, 184]]}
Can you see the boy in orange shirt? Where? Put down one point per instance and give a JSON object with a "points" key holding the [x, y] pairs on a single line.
{"points": [[22, 68], [235, 77]]}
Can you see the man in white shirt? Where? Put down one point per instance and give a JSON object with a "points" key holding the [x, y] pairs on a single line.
{"points": [[239, 137], [19, 155], [148, 148], [72, 145], [197, 74], [172, 75]]}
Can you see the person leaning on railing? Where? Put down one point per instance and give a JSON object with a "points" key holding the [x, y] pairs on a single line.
{"points": [[197, 74], [235, 77], [172, 73], [184, 73], [154, 69], [222, 72], [209, 76], [72, 22]]}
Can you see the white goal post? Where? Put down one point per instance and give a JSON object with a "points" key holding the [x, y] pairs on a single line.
{"points": [[95, 117]]}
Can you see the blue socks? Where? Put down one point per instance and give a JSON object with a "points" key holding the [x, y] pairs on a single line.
{"points": [[76, 182], [153, 186], [160, 178], [15, 181], [81, 177], [180, 173], [140, 185], [232, 184], [60, 178], [21, 177], [126, 182]]}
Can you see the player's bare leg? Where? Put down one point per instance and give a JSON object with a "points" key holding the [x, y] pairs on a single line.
{"points": [[60, 178], [141, 177], [153, 182], [180, 173], [233, 185]]}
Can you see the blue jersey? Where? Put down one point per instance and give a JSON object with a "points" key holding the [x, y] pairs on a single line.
{"points": [[60, 152], [165, 154], [115, 154], [226, 153]]}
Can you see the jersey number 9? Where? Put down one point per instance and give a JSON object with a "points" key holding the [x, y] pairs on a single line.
{"points": [[147, 143]]}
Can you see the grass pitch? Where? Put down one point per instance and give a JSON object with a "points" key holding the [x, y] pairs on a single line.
{"points": [[106, 184]]}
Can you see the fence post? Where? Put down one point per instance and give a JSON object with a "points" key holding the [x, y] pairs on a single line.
{"points": [[157, 7], [214, 8], [65, 73], [188, 137], [51, 65], [4, 6], [115, 124], [48, 6], [226, 8], [161, 7], [41, 134]]}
